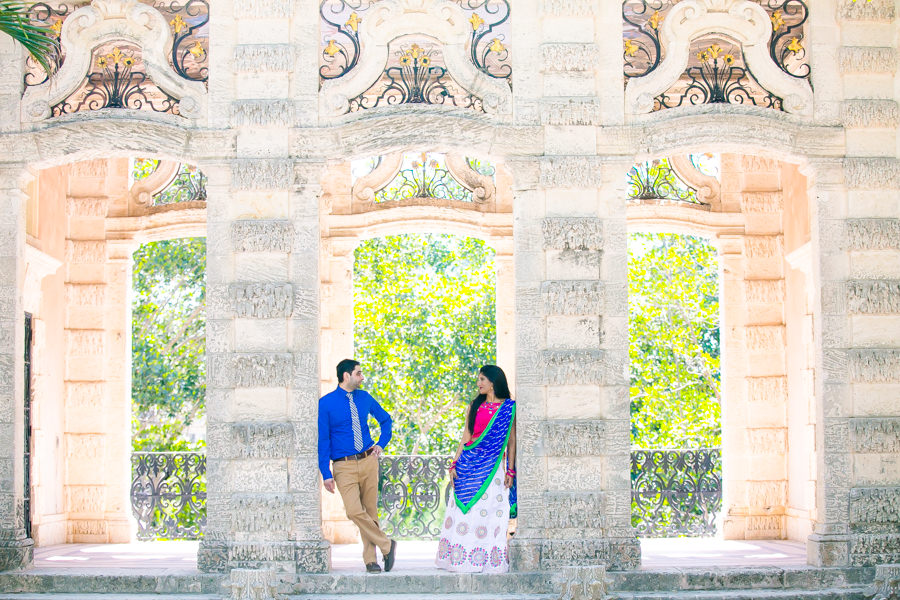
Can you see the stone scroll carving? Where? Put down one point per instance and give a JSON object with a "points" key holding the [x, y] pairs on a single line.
{"points": [[442, 20], [104, 21], [741, 20], [886, 585]]}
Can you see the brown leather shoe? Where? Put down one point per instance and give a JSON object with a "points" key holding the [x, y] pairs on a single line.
{"points": [[390, 556], [373, 568]]}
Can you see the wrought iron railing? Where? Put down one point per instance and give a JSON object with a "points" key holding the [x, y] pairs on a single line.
{"points": [[414, 494], [168, 494], [676, 492]]}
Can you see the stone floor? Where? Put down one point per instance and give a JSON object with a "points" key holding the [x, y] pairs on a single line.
{"points": [[412, 556]]}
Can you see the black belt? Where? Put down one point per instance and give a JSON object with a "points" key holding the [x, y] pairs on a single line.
{"points": [[359, 456]]}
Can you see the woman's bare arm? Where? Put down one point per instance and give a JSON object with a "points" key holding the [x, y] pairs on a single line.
{"points": [[511, 452]]}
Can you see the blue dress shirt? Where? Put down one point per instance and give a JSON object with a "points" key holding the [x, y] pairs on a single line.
{"points": [[336, 425]]}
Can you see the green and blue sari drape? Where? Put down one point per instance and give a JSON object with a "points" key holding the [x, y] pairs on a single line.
{"points": [[480, 460]]}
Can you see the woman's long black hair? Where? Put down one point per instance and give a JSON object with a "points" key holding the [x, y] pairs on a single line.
{"points": [[496, 376]]}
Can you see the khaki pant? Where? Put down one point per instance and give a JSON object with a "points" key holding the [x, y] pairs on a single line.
{"points": [[357, 481]]}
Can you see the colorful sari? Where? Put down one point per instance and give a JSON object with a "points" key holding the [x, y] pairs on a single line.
{"points": [[474, 534]]}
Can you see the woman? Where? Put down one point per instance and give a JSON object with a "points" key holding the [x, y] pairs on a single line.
{"points": [[473, 539]]}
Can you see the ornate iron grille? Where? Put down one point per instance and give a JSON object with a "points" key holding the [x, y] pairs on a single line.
{"points": [[341, 48], [709, 80], [424, 175], [414, 495], [168, 494], [657, 180], [676, 493], [27, 501]]}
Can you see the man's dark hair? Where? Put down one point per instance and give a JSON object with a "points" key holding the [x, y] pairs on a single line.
{"points": [[345, 366]]}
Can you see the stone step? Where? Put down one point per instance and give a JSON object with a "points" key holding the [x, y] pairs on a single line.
{"points": [[418, 595], [731, 578], [121, 582], [128, 596], [850, 593]]}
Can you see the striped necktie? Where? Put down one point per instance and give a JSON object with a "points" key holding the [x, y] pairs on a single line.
{"points": [[357, 430]]}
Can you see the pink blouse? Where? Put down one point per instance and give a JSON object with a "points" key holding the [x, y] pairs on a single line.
{"points": [[483, 418]]}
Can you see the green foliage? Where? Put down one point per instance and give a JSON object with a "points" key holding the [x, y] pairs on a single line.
{"points": [[142, 168], [673, 306], [168, 342], [38, 41], [425, 308]]}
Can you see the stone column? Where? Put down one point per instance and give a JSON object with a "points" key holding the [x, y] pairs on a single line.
{"points": [[572, 337], [15, 547]]}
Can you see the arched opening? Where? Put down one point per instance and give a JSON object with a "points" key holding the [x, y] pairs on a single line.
{"points": [[84, 222], [755, 213]]}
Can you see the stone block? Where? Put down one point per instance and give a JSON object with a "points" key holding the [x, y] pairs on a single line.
{"points": [[257, 475], [870, 331], [562, 233], [573, 332], [262, 236], [258, 267], [582, 474], [258, 403], [573, 264]]}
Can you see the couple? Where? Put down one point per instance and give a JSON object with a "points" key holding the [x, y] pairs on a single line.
{"points": [[474, 535]]}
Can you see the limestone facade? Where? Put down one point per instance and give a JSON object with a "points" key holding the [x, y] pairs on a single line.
{"points": [[807, 221]]}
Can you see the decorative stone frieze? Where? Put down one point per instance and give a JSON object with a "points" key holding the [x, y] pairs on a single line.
{"points": [[86, 207], [770, 441], [762, 202], [870, 113], [585, 438], [868, 550], [767, 494], [262, 512], [873, 234], [878, 436], [875, 507], [86, 252], [764, 337], [874, 366], [572, 111], [84, 342], [262, 440], [873, 297], [582, 510], [572, 172], [254, 58], [252, 584], [869, 10], [572, 297], [886, 585], [262, 300], [582, 367], [84, 395], [85, 446], [566, 8], [250, 370], [867, 59], [85, 499], [570, 57], [872, 173], [572, 233], [764, 291], [763, 246], [262, 112], [262, 236], [87, 294], [767, 390], [262, 174], [619, 555], [584, 583], [264, 9]]}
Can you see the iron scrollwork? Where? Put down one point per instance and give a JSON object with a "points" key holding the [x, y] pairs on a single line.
{"points": [[786, 46], [676, 492], [657, 180], [168, 494], [427, 176], [415, 80], [643, 50], [189, 54], [189, 185], [341, 53], [486, 47], [116, 84], [52, 18], [414, 494], [719, 78]]}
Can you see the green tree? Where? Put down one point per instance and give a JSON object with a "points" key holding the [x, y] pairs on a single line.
{"points": [[673, 308], [40, 43], [168, 342], [424, 322]]}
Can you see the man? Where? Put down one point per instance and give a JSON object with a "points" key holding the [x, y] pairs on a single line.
{"points": [[345, 441]]}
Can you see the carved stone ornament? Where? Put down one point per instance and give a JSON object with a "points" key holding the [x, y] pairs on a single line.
{"points": [[708, 187], [584, 583], [140, 196], [103, 21], [886, 585], [253, 584], [442, 20], [743, 20]]}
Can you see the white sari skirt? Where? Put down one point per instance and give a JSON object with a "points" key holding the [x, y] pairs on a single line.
{"points": [[476, 542]]}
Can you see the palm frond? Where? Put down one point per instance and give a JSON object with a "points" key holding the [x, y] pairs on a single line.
{"points": [[38, 41]]}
